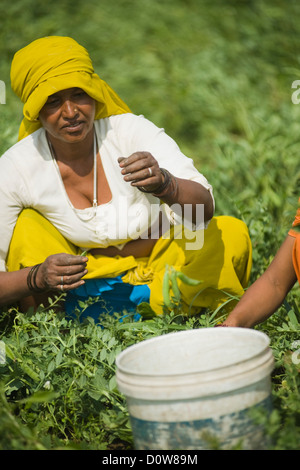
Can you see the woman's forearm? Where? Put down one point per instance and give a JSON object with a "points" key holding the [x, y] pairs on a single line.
{"points": [[259, 302], [138, 248], [13, 286], [189, 194], [266, 294], [59, 272]]}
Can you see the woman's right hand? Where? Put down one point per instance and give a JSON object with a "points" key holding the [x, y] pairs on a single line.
{"points": [[62, 272]]}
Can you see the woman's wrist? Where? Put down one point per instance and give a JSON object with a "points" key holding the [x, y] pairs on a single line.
{"points": [[31, 280], [238, 319], [168, 187]]}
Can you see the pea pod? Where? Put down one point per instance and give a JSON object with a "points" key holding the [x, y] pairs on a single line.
{"points": [[25, 367], [30, 372], [166, 288], [175, 288], [9, 353], [188, 280]]}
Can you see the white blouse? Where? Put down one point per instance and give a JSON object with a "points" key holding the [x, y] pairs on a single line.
{"points": [[29, 177]]}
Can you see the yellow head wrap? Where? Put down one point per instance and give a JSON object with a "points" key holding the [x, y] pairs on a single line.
{"points": [[52, 64]]}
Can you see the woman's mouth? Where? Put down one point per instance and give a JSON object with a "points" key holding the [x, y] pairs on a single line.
{"points": [[73, 126]]}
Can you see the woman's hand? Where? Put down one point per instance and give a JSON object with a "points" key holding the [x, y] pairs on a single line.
{"points": [[62, 272], [142, 171]]}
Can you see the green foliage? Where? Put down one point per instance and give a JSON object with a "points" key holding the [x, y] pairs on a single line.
{"points": [[60, 376], [58, 386], [283, 425], [217, 76]]}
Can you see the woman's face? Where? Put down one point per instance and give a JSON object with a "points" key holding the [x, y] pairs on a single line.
{"points": [[68, 115]]}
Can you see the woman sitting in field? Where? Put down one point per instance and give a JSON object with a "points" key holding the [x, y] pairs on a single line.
{"points": [[266, 294], [87, 175]]}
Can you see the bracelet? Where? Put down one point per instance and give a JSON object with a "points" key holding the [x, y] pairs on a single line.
{"points": [[165, 184], [31, 279], [166, 191], [163, 187]]}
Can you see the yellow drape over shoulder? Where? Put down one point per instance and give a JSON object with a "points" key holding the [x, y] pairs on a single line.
{"points": [[52, 64]]}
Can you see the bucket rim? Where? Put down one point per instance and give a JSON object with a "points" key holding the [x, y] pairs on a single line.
{"points": [[247, 331]]}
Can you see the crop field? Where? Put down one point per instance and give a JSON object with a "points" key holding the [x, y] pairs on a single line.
{"points": [[221, 77]]}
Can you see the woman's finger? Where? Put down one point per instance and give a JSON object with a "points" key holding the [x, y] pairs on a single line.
{"points": [[66, 259], [141, 169], [66, 282], [136, 162], [58, 268]]}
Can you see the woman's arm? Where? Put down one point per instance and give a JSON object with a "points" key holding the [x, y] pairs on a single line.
{"points": [[139, 248], [266, 294], [61, 272], [142, 170], [190, 193], [13, 286]]}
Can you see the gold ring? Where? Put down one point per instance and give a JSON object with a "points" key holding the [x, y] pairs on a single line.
{"points": [[150, 171]]}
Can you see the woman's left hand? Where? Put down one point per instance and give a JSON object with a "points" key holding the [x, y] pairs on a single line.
{"points": [[141, 170]]}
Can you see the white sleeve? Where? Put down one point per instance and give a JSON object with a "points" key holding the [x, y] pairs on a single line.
{"points": [[11, 189]]}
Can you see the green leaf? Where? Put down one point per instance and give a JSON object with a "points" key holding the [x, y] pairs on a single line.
{"points": [[112, 384], [293, 319], [58, 357], [40, 397], [145, 310]]}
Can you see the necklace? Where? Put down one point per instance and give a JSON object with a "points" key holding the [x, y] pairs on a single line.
{"points": [[95, 200]]}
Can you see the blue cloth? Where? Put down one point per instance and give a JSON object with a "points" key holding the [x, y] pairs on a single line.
{"points": [[114, 296]]}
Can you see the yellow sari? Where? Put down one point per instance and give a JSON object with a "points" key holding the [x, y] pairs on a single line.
{"points": [[223, 264]]}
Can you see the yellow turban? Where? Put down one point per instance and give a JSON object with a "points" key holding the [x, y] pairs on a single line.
{"points": [[52, 64]]}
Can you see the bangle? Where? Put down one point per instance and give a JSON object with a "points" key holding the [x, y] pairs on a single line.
{"points": [[167, 181], [161, 189], [31, 280], [165, 191]]}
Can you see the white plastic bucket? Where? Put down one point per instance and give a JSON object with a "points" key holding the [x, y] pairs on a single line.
{"points": [[185, 390]]}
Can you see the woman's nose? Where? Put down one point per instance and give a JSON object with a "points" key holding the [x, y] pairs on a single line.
{"points": [[69, 109]]}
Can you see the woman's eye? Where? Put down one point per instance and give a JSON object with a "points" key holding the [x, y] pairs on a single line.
{"points": [[52, 102], [79, 94]]}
